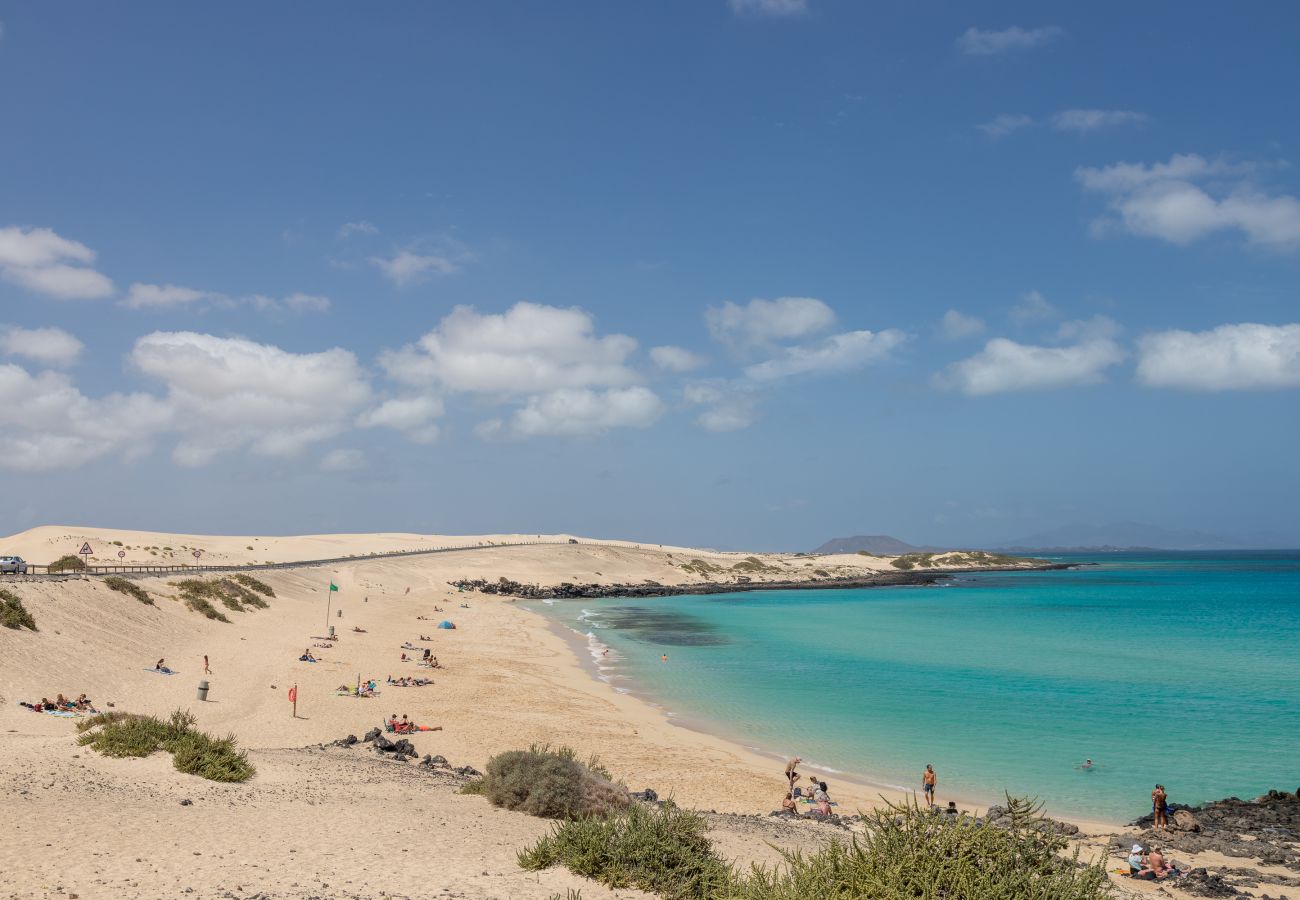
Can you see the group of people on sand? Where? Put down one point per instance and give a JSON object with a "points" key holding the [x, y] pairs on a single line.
{"points": [[406, 726], [1150, 865], [61, 704], [307, 656], [408, 681], [816, 792]]}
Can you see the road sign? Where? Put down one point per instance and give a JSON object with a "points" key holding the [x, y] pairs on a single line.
{"points": [[85, 549], [121, 554], [198, 553]]}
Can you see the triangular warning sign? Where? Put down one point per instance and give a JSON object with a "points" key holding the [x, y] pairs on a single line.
{"points": [[85, 548]]}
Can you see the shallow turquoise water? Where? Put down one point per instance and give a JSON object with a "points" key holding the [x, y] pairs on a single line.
{"points": [[1178, 668]]}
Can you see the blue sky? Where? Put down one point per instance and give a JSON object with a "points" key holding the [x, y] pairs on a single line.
{"points": [[744, 274]]}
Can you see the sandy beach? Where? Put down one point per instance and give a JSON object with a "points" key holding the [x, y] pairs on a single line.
{"points": [[322, 821]]}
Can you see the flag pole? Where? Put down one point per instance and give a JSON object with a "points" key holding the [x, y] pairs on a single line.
{"points": [[329, 598]]}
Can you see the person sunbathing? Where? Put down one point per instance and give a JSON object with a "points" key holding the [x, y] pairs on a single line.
{"points": [[358, 629], [306, 656], [788, 804]]}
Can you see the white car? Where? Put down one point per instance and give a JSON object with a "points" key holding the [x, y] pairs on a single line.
{"points": [[12, 565]]}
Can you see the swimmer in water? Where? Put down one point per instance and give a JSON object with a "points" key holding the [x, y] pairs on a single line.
{"points": [[664, 658], [1087, 764]]}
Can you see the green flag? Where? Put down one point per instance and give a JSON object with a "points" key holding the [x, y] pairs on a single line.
{"points": [[333, 586]]}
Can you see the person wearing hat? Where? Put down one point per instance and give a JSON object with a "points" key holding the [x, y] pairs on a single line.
{"points": [[1136, 863]]}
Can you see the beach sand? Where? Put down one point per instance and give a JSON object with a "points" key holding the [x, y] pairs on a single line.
{"points": [[339, 822]]}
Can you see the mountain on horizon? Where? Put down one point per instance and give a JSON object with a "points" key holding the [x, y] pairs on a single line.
{"points": [[876, 544], [1124, 534]]}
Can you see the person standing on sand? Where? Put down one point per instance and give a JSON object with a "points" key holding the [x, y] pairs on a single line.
{"points": [[928, 782], [1159, 801], [206, 670], [791, 773]]}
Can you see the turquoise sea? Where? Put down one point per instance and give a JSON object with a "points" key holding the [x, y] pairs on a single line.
{"points": [[1182, 668]]}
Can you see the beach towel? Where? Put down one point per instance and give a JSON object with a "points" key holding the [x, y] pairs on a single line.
{"points": [[63, 713], [163, 671]]}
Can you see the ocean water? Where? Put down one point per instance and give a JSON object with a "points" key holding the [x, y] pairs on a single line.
{"points": [[1182, 668]]}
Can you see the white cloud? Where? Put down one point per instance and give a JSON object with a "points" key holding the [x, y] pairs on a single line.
{"points": [[175, 296], [1247, 356], [762, 322], [529, 349], [986, 42], [50, 346], [729, 406], [580, 412], [837, 353], [1190, 198], [343, 460], [1004, 365], [956, 325], [1085, 120], [676, 359], [769, 7], [347, 229], [1005, 124], [231, 393], [46, 263], [161, 296], [406, 268], [1033, 307], [411, 415], [47, 424]]}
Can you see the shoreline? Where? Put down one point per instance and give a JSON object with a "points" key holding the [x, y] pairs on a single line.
{"points": [[592, 591], [865, 791]]}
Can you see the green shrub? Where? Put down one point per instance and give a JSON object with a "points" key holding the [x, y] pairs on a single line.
{"points": [[253, 584], [69, 563], [125, 586], [194, 752], [907, 851], [232, 593], [12, 612], [552, 784], [660, 849]]}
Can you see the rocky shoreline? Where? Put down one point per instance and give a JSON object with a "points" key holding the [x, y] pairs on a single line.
{"points": [[569, 591], [1265, 831]]}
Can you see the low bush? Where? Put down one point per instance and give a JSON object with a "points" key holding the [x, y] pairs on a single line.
{"points": [[126, 586], [904, 852], [551, 783], [660, 849], [194, 752], [69, 563], [253, 584], [233, 593], [907, 851], [12, 612]]}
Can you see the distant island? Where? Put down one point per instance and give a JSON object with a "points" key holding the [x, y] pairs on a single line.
{"points": [[1074, 538]]}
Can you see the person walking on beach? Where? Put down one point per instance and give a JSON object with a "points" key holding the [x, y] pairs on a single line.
{"points": [[1159, 803], [928, 782], [206, 670], [791, 771]]}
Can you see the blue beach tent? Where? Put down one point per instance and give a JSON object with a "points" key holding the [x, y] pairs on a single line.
{"points": [[446, 624]]}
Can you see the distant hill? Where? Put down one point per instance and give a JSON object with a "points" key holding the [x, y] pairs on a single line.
{"points": [[1122, 535], [876, 544]]}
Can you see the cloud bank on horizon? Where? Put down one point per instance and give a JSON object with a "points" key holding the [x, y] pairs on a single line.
{"points": [[906, 217]]}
